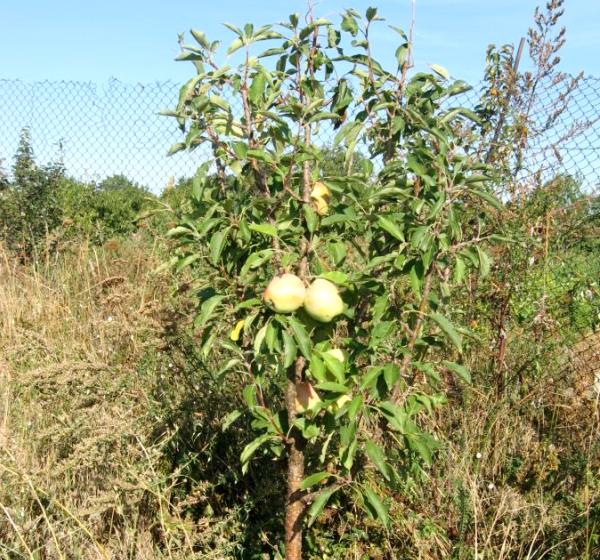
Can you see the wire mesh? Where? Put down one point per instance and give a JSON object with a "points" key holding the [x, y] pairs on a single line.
{"points": [[99, 130]]}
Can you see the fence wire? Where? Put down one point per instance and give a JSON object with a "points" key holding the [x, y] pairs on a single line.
{"points": [[99, 130]]}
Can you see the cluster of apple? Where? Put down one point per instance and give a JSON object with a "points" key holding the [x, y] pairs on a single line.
{"points": [[306, 396], [321, 300]]}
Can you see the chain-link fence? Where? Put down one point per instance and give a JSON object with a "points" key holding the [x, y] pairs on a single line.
{"points": [[116, 128], [565, 135]]}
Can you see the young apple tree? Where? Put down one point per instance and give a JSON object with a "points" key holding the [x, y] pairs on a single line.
{"points": [[330, 295]]}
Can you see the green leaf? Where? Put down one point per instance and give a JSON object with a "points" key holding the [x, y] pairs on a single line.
{"points": [[337, 219], [252, 302], [257, 87], [448, 329], [354, 407], [422, 444], [271, 52], [332, 387], [337, 251], [207, 225], [322, 116], [179, 231], [178, 147], [207, 309], [440, 71], [290, 350], [416, 166], [249, 394], [348, 133], [402, 54], [200, 38], [391, 227], [459, 369], [311, 218], [260, 155], [335, 366], [235, 45], [484, 262], [228, 366], [457, 88], [399, 31], [489, 198], [219, 102], [240, 149], [375, 502], [377, 456], [349, 453], [395, 415], [335, 276], [349, 24], [317, 506], [372, 374], [186, 261], [207, 346], [259, 339], [230, 419], [459, 270], [313, 479], [217, 243], [301, 336], [271, 337], [317, 368], [415, 277], [255, 260], [391, 373], [371, 13], [460, 111], [233, 28], [266, 229], [251, 448]]}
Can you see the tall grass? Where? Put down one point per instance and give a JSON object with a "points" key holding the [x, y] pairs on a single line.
{"points": [[78, 476]]}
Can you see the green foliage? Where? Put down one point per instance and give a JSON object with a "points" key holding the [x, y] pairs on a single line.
{"points": [[42, 204], [394, 242], [28, 207], [118, 203]]}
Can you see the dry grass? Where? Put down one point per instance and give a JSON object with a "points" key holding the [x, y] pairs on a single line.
{"points": [[80, 476]]}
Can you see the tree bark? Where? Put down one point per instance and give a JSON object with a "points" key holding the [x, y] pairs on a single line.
{"points": [[295, 508]]}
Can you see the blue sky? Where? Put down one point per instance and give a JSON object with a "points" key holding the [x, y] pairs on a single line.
{"points": [[136, 40], [107, 127]]}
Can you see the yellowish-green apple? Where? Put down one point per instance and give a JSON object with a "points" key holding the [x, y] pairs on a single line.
{"points": [[306, 397], [321, 206], [285, 293], [320, 190], [320, 195], [323, 301]]}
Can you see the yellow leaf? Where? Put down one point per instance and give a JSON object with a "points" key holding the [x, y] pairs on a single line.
{"points": [[235, 333]]}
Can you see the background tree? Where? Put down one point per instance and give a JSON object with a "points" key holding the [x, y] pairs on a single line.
{"points": [[30, 208]]}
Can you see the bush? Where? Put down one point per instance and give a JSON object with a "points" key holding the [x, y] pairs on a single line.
{"points": [[29, 209], [42, 204]]}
